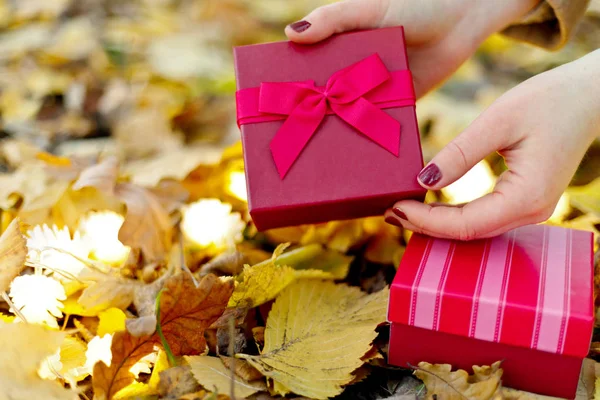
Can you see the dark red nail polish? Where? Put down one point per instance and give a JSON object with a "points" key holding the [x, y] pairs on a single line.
{"points": [[392, 221], [300, 26], [400, 213], [430, 175]]}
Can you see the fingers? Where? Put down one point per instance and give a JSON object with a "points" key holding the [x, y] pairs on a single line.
{"points": [[487, 216], [483, 137], [337, 17]]}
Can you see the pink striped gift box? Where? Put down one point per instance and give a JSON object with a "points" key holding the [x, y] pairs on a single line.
{"points": [[525, 297]]}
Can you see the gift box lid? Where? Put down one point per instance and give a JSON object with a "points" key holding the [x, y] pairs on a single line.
{"points": [[531, 287]]}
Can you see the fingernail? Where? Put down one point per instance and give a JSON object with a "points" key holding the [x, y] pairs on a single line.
{"points": [[392, 221], [430, 175], [400, 213], [300, 26]]}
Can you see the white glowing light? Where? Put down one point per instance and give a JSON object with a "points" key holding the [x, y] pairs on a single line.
{"points": [[101, 232], [50, 366], [44, 244], [98, 350], [38, 297], [144, 365], [209, 222], [237, 185], [477, 182]]}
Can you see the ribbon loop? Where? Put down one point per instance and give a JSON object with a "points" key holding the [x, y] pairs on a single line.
{"points": [[350, 93]]}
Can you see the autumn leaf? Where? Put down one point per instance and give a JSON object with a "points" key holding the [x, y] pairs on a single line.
{"points": [[315, 336], [24, 347], [13, 251], [213, 375], [106, 290], [441, 381], [186, 311], [102, 176], [126, 350], [147, 225], [263, 281], [242, 368]]}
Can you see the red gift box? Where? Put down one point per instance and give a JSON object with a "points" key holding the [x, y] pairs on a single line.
{"points": [[525, 297], [329, 130]]}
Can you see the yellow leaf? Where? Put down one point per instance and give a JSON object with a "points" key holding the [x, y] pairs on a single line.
{"points": [[13, 251], [213, 375], [111, 321], [263, 281], [136, 390], [161, 364], [71, 306], [444, 383], [24, 347], [315, 337], [597, 389], [72, 357], [586, 198]]}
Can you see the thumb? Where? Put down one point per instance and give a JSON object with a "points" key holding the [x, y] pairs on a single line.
{"points": [[335, 18], [483, 137]]}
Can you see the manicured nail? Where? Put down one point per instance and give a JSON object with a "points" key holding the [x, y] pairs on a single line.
{"points": [[430, 175], [300, 26], [392, 221], [400, 213]]}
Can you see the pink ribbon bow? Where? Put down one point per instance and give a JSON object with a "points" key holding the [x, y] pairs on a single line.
{"points": [[350, 93]]}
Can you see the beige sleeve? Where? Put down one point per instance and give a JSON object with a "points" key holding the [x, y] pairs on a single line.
{"points": [[550, 24]]}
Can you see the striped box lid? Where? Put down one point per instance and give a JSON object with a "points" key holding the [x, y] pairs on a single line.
{"points": [[531, 287]]}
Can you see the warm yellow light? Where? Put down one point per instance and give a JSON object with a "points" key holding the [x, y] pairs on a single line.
{"points": [[237, 185], [209, 222], [563, 208], [477, 182], [101, 231]]}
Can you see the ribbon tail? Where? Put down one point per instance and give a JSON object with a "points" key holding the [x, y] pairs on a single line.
{"points": [[296, 131], [371, 121]]}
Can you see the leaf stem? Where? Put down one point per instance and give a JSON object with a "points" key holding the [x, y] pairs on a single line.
{"points": [[163, 340]]}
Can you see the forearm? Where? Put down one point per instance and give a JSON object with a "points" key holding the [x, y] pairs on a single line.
{"points": [[586, 71]]}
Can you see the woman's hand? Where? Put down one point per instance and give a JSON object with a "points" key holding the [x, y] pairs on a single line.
{"points": [[542, 128], [440, 34]]}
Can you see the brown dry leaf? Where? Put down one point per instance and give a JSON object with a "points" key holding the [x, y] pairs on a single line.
{"points": [[126, 351], [24, 347], [147, 225], [102, 176], [176, 382], [441, 381], [243, 369], [107, 291], [13, 251], [186, 310], [213, 375]]}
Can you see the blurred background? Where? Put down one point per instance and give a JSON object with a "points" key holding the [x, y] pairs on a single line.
{"points": [[152, 82]]}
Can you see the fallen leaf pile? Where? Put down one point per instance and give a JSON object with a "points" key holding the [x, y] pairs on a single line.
{"points": [[129, 264]]}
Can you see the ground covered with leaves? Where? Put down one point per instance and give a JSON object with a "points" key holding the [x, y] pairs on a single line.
{"points": [[129, 266]]}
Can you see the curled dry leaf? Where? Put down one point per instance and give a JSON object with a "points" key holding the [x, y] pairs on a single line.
{"points": [[441, 381], [242, 368], [102, 176], [213, 375], [315, 336], [186, 311], [107, 291], [144, 299], [13, 251], [24, 347], [176, 382], [147, 225]]}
